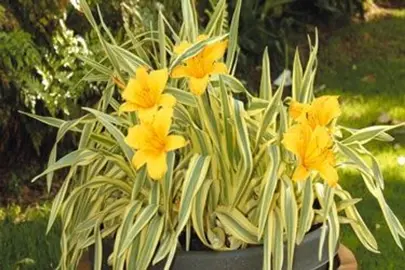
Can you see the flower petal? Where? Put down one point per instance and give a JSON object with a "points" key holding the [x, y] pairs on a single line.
{"points": [[136, 136], [174, 142], [162, 122], [146, 114], [296, 139], [198, 85], [328, 173], [219, 68], [321, 137], [139, 159], [291, 140], [180, 72], [131, 90], [301, 173], [142, 76], [183, 46], [324, 109], [297, 110], [157, 166], [215, 51], [157, 80], [128, 107], [167, 101]]}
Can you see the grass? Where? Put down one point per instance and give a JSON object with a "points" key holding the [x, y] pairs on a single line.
{"points": [[364, 63], [23, 242]]}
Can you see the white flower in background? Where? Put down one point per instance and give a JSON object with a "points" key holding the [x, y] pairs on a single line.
{"points": [[401, 160], [285, 74]]}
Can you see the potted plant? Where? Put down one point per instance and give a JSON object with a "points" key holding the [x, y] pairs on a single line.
{"points": [[178, 172]]}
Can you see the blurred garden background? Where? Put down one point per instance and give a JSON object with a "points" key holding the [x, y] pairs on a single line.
{"points": [[362, 59]]}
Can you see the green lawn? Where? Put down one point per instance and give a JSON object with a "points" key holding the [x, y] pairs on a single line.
{"points": [[23, 243], [365, 64]]}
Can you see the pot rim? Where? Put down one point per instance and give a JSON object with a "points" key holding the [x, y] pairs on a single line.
{"points": [[309, 237]]}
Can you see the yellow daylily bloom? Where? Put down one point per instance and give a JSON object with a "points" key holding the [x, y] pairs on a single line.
{"points": [[320, 112], [313, 150], [199, 67], [298, 111], [152, 141], [144, 93]]}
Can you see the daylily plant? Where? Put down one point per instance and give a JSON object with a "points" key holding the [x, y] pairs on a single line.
{"points": [[174, 158]]}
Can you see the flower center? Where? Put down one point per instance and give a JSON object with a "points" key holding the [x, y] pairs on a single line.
{"points": [[147, 97], [154, 142], [197, 65]]}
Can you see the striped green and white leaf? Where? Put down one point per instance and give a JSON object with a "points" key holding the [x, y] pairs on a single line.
{"points": [[291, 222], [265, 82], [242, 135], [270, 181], [153, 235], [142, 219], [132, 210], [107, 122], [215, 19], [189, 19], [305, 92], [237, 224], [233, 36], [297, 75], [64, 128], [199, 212], [333, 237], [165, 246], [270, 113], [76, 158], [182, 96], [268, 240], [368, 134], [359, 227], [193, 181], [306, 212], [278, 240]]}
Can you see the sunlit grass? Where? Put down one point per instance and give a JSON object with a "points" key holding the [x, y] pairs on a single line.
{"points": [[365, 65]]}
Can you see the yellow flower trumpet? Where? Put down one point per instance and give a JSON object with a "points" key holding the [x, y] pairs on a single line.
{"points": [[313, 150], [320, 112], [153, 142], [144, 93], [199, 67]]}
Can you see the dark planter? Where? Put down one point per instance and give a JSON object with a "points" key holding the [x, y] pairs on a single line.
{"points": [[305, 257]]}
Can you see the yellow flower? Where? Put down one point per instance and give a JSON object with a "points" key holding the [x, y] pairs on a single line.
{"points": [[320, 113], [313, 150], [152, 140], [144, 93], [199, 67]]}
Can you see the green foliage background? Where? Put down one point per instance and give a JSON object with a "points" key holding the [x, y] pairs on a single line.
{"points": [[40, 73]]}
